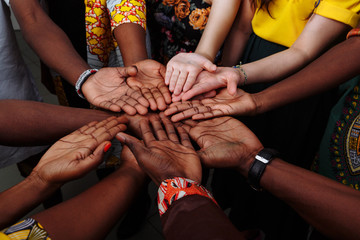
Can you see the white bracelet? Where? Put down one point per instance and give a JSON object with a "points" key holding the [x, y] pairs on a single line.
{"points": [[81, 80]]}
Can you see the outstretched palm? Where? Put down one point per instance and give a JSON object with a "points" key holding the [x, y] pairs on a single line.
{"points": [[77, 153], [223, 104], [163, 156], [108, 89], [150, 82], [224, 142]]}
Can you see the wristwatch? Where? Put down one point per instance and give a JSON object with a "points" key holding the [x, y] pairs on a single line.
{"points": [[262, 159]]}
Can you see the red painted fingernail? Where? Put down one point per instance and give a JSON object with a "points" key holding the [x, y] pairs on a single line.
{"points": [[107, 146]]}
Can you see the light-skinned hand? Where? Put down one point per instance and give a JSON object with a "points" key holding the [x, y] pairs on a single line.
{"points": [[162, 155], [79, 152], [183, 69], [108, 89], [207, 81]]}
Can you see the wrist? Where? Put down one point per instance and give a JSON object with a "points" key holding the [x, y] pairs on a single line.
{"points": [[245, 163], [257, 97], [40, 182], [242, 75], [82, 79]]}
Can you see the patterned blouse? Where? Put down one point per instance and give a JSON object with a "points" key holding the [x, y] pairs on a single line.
{"points": [[175, 26]]}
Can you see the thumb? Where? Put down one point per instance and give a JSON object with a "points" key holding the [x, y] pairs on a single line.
{"points": [[133, 143], [209, 66], [232, 88]]}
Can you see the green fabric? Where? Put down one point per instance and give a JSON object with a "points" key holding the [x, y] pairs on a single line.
{"points": [[339, 155]]}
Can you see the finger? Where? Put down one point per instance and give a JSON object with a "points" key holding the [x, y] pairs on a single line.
{"points": [[170, 129], [180, 82], [205, 95], [92, 160], [209, 66], [110, 106], [105, 125], [126, 71], [194, 91], [232, 88], [93, 126], [138, 97], [158, 129], [173, 80], [160, 101], [150, 98], [168, 74], [146, 132], [84, 128], [122, 103], [177, 98], [190, 122], [180, 107], [207, 115], [185, 140], [165, 93], [190, 112], [190, 81], [135, 145]]}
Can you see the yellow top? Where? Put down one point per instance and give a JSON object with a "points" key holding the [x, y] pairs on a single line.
{"points": [[289, 17]]}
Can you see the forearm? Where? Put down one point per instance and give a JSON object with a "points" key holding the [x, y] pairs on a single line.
{"points": [[22, 198], [36, 123], [327, 205], [334, 67], [221, 17], [48, 40], [132, 43], [238, 36], [93, 213]]}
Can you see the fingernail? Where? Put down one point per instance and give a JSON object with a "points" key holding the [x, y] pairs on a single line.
{"points": [[107, 146]]}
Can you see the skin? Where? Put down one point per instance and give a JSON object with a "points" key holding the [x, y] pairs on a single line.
{"points": [[182, 70], [105, 89], [341, 65], [70, 158], [325, 204], [107, 202], [37, 123], [149, 80], [164, 155], [314, 39]]}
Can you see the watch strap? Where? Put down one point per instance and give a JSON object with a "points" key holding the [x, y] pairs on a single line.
{"points": [[262, 159]]}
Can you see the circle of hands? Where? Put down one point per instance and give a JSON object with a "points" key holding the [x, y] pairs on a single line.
{"points": [[164, 147]]}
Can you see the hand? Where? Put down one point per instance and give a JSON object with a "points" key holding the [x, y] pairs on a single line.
{"points": [[107, 89], [182, 70], [225, 143], [221, 105], [163, 156], [207, 81], [150, 82], [79, 152]]}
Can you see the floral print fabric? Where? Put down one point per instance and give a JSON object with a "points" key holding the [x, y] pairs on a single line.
{"points": [[175, 26]]}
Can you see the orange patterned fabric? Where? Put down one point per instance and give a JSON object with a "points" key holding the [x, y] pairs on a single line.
{"points": [[174, 189], [353, 33]]}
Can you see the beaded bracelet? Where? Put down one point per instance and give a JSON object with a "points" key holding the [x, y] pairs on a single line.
{"points": [[81, 80], [243, 72]]}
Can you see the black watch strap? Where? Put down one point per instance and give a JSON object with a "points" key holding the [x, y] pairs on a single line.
{"points": [[262, 159]]}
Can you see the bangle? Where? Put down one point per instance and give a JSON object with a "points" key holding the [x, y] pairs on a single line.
{"points": [[243, 72], [353, 33], [81, 80]]}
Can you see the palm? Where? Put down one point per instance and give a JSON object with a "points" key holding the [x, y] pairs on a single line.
{"points": [[108, 89], [164, 156], [223, 104], [224, 142], [150, 82], [76, 154]]}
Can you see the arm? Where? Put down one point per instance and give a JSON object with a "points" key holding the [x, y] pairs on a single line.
{"points": [[130, 30], [48, 40], [34, 123], [93, 213], [324, 203], [238, 36], [334, 67], [171, 161], [182, 70], [66, 160], [318, 34]]}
